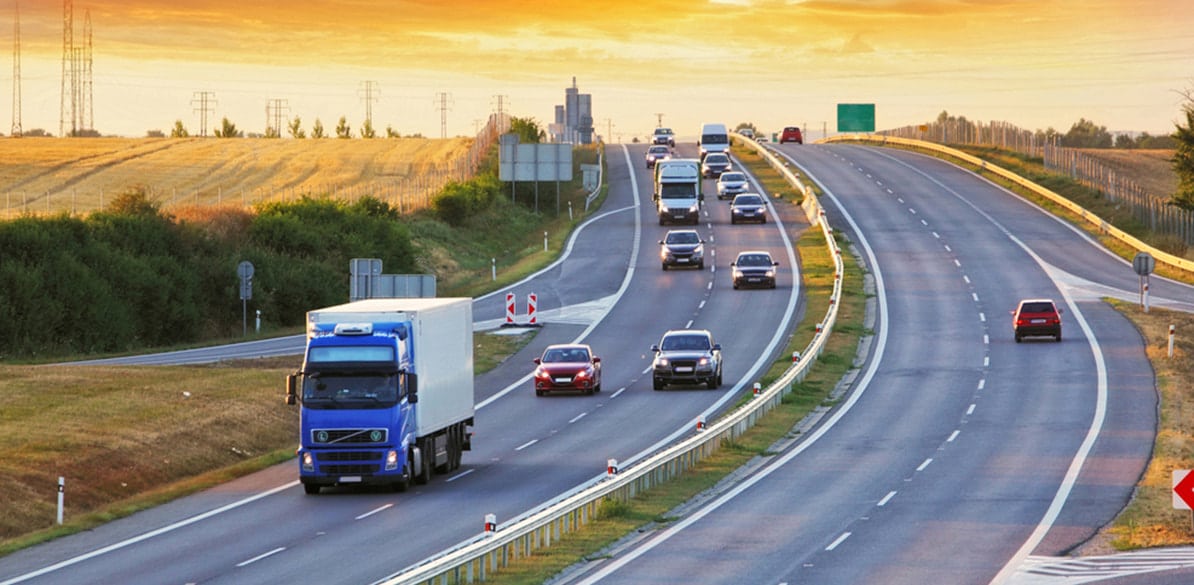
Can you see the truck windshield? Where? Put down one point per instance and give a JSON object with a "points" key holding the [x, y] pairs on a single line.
{"points": [[350, 390], [677, 190]]}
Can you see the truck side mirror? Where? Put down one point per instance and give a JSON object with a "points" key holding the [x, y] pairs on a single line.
{"points": [[412, 387], [291, 385]]}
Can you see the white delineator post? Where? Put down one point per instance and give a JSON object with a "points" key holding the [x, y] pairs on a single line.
{"points": [[61, 494], [1171, 331]]}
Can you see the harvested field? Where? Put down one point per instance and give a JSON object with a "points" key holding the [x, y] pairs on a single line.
{"points": [[1150, 169], [50, 175]]}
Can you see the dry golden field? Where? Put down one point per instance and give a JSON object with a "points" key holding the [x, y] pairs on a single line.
{"points": [[1151, 169], [40, 175]]}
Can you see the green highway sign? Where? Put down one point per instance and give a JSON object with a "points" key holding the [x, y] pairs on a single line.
{"points": [[856, 117]]}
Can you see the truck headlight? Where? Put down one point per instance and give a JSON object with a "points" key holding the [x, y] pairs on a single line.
{"points": [[391, 460], [308, 462]]}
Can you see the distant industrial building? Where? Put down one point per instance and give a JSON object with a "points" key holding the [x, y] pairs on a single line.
{"points": [[574, 119]]}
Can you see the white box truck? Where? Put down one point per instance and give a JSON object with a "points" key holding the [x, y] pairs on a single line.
{"points": [[677, 194], [385, 391]]}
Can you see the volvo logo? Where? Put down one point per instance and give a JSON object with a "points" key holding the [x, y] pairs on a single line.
{"points": [[321, 436]]}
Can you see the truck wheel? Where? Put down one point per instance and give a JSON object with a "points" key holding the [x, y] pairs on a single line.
{"points": [[423, 473], [402, 484], [311, 488], [457, 447]]}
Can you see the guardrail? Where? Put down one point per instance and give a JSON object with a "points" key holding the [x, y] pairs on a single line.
{"points": [[475, 559], [1098, 222]]}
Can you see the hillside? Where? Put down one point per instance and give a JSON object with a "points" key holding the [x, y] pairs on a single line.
{"points": [[77, 174]]}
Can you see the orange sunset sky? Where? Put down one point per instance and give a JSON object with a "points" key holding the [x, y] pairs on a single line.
{"points": [[1037, 64]]}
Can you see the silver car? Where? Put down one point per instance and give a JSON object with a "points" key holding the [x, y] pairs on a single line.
{"points": [[731, 183]]}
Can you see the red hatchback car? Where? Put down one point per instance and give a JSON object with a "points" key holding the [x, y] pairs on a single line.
{"points": [[1036, 317], [791, 134], [570, 367]]}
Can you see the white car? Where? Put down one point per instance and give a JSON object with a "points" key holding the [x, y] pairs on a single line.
{"points": [[731, 183]]}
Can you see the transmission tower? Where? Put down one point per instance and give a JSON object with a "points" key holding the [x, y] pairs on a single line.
{"points": [[16, 71], [501, 117], [207, 105], [66, 111], [442, 99], [369, 93], [275, 110], [87, 96], [76, 94]]}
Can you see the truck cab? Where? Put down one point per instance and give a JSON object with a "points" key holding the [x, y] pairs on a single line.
{"points": [[386, 396]]}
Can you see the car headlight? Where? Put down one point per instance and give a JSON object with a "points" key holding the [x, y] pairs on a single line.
{"points": [[698, 251], [704, 361], [694, 207], [770, 274], [737, 273], [661, 362]]}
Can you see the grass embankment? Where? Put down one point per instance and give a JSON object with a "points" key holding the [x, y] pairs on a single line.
{"points": [[1149, 520], [128, 438], [650, 510]]}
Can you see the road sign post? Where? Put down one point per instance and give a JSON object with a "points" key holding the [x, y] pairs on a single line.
{"points": [[1144, 264], [245, 271]]}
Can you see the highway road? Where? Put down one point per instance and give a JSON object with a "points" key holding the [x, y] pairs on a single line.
{"points": [[608, 290], [959, 455]]}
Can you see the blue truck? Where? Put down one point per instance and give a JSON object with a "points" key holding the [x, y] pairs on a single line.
{"points": [[385, 392]]}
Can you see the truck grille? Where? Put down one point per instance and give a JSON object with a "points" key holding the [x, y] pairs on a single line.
{"points": [[348, 436], [348, 456]]}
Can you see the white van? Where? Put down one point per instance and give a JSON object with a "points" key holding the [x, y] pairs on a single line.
{"points": [[714, 138]]}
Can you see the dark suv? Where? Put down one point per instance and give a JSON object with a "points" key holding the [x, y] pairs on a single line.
{"points": [[686, 356], [1036, 317], [682, 248]]}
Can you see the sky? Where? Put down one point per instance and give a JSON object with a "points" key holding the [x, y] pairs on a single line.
{"points": [[423, 66]]}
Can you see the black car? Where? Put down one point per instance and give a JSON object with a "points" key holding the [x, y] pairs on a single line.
{"points": [[715, 164], [748, 207], [754, 268], [686, 356], [682, 248]]}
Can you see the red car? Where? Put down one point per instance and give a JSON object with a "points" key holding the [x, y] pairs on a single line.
{"points": [[1036, 317], [570, 367], [791, 134]]}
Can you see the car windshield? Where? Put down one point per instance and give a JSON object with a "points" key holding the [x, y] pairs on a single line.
{"points": [[659, 150], [754, 260], [716, 159], [732, 177], [663, 131], [682, 238], [748, 200], [684, 342], [565, 355]]}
